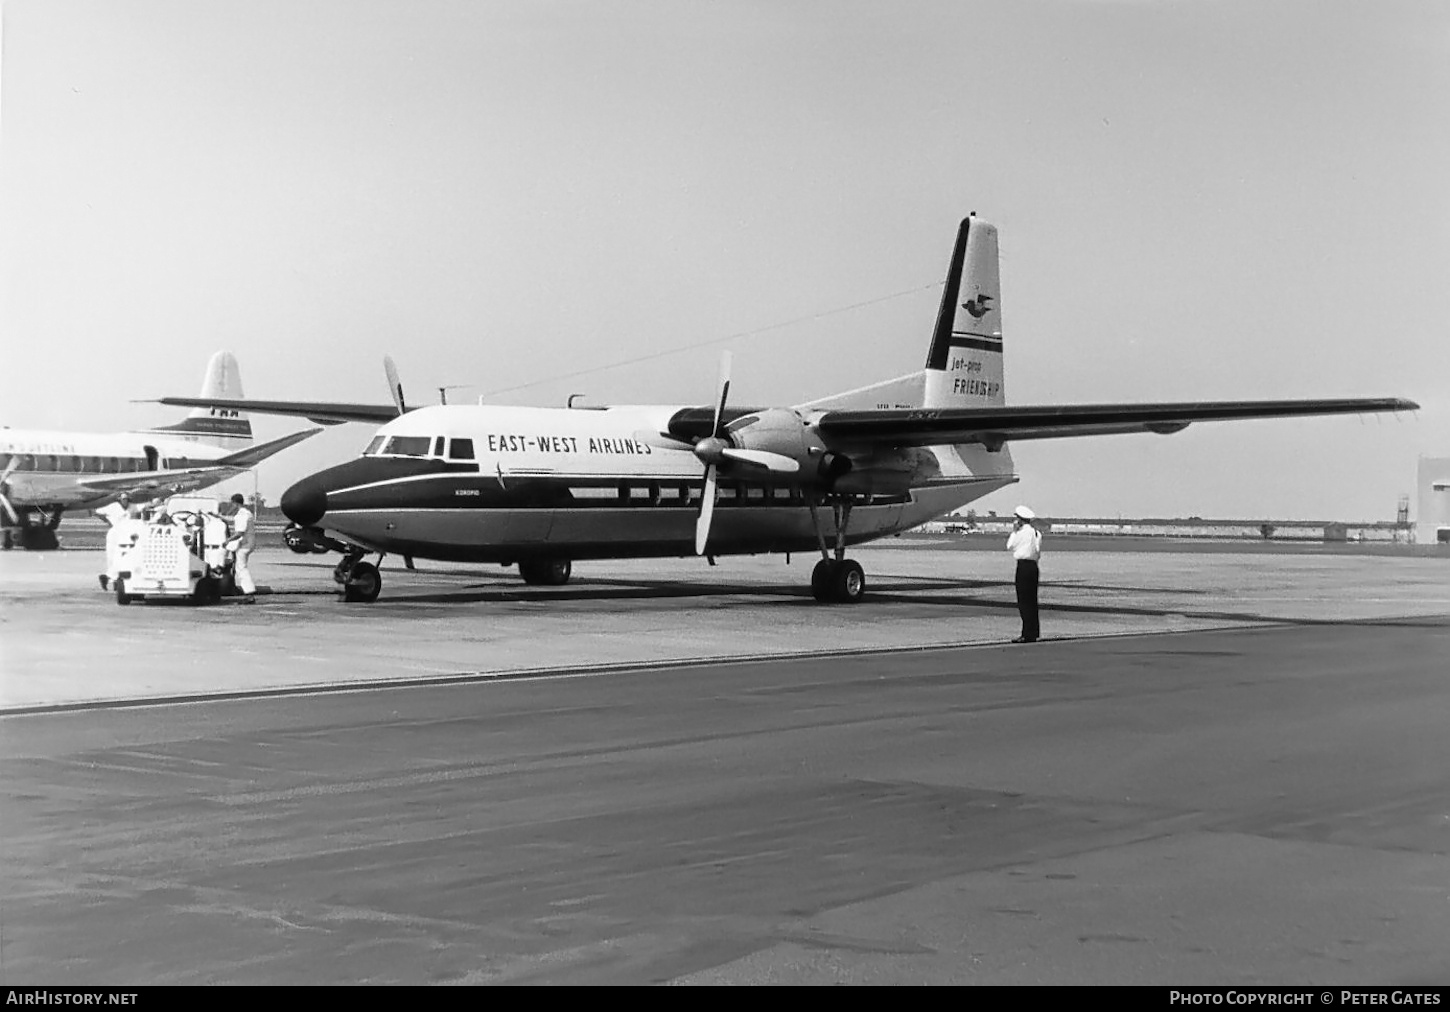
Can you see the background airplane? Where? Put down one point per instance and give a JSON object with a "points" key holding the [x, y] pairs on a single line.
{"points": [[542, 487], [44, 473]]}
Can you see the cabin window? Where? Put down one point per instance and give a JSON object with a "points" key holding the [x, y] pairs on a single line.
{"points": [[48, 463], [115, 465], [438, 446], [461, 449], [408, 446]]}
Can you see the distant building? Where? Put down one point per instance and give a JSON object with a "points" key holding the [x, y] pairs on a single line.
{"points": [[1432, 485]]}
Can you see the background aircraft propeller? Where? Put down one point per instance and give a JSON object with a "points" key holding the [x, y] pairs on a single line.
{"points": [[5, 491]]}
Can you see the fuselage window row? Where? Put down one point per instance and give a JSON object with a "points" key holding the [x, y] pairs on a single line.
{"points": [[65, 463]]}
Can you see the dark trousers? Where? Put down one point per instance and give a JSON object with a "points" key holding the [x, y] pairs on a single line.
{"points": [[1027, 598]]}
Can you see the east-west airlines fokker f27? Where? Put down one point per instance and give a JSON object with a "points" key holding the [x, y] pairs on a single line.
{"points": [[46, 473], [543, 487]]}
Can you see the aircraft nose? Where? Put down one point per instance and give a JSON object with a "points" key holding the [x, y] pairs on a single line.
{"points": [[305, 502]]}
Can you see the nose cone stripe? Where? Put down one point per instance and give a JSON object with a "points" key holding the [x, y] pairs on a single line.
{"points": [[304, 503]]}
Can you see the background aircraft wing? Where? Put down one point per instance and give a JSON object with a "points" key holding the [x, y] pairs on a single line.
{"points": [[254, 455], [172, 480], [996, 425], [317, 411], [182, 479]]}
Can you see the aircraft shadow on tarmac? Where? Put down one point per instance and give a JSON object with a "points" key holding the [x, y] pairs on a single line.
{"points": [[940, 592]]}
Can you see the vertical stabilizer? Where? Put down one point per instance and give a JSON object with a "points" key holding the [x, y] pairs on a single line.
{"points": [[224, 427], [964, 365]]}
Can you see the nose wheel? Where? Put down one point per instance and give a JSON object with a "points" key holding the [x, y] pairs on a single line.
{"points": [[360, 581]]}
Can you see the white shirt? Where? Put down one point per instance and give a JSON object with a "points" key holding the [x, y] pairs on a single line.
{"points": [[243, 532], [1025, 543], [112, 513]]}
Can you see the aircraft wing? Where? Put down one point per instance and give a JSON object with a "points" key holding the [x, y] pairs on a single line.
{"points": [[316, 411], [254, 455], [171, 480], [182, 479], [993, 426]]}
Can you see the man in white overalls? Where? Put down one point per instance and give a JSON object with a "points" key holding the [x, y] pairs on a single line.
{"points": [[120, 535]]}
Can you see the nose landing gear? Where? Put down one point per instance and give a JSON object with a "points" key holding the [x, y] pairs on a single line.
{"points": [[360, 581]]}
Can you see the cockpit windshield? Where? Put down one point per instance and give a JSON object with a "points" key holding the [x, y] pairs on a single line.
{"points": [[400, 446]]}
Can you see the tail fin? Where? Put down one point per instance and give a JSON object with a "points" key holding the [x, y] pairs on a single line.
{"points": [[964, 365], [224, 427]]}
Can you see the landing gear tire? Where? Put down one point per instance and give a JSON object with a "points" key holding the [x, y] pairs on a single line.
{"points": [[121, 596], [821, 580], [208, 591], [363, 584], [39, 539], [546, 572], [835, 582]]}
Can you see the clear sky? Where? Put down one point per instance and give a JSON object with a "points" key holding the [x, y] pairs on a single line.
{"points": [[1197, 201]]}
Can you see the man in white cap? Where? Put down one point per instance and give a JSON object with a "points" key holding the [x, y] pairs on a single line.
{"points": [[242, 542], [1025, 544]]}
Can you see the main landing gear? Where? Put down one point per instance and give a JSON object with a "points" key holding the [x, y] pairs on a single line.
{"points": [[836, 579], [31, 527]]}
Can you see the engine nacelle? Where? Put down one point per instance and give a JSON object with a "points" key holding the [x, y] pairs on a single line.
{"points": [[785, 432]]}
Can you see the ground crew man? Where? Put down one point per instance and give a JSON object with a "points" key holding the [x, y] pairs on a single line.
{"points": [[120, 535], [242, 541], [1025, 544]]}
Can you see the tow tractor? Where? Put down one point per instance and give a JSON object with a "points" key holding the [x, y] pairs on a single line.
{"points": [[180, 553]]}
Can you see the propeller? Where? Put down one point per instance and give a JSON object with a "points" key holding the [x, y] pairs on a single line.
{"points": [[710, 451]]}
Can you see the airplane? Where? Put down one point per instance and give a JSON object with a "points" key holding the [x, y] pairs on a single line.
{"points": [[45, 473], [545, 487]]}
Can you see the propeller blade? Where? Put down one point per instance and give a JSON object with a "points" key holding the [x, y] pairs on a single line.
{"points": [[707, 511], [776, 463], [4, 489], [395, 385], [724, 391]]}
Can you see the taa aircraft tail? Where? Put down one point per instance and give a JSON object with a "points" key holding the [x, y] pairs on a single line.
{"points": [[228, 428]]}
